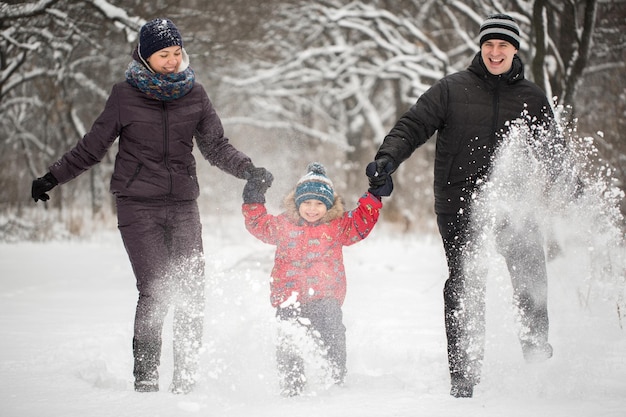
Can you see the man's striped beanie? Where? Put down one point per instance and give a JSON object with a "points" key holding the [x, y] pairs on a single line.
{"points": [[500, 26], [315, 185]]}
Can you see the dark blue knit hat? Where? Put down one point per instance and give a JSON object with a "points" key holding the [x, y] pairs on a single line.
{"points": [[315, 185], [156, 35]]}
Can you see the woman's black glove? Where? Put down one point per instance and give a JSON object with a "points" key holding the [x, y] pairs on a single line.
{"points": [[379, 174], [259, 180], [42, 185]]}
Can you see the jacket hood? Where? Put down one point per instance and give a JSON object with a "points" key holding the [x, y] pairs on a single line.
{"points": [[291, 210], [515, 74]]}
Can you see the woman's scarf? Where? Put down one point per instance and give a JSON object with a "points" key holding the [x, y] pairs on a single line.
{"points": [[163, 87]]}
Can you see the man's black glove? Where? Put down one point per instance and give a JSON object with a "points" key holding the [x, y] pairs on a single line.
{"points": [[42, 185], [379, 175], [259, 180]]}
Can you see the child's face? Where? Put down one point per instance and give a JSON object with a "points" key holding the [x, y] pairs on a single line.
{"points": [[312, 210]]}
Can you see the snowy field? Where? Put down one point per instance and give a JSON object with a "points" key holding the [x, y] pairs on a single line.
{"points": [[66, 312]]}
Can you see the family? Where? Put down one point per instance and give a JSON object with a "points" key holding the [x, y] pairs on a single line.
{"points": [[159, 109]]}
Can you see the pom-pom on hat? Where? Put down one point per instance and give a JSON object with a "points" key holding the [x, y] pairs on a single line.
{"points": [[156, 35], [315, 185], [500, 26]]}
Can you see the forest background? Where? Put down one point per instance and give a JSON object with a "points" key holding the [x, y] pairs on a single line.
{"points": [[294, 82]]}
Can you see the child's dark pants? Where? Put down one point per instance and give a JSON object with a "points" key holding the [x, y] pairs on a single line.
{"points": [[323, 320]]}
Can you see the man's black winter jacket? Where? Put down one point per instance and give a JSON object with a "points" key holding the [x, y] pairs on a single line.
{"points": [[469, 111]]}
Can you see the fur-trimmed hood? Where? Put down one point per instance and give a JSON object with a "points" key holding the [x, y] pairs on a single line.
{"points": [[289, 204]]}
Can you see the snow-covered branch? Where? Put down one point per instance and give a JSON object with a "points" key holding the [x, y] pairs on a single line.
{"points": [[336, 62]]}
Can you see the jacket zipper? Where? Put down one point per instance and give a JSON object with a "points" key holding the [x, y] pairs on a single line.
{"points": [[166, 141], [496, 111]]}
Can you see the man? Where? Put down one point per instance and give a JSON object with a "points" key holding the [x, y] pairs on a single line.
{"points": [[470, 110]]}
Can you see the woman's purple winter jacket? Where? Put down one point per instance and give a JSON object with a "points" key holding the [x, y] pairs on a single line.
{"points": [[155, 158]]}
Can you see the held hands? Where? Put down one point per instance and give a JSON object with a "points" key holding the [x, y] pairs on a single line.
{"points": [[379, 174], [259, 180], [42, 185]]}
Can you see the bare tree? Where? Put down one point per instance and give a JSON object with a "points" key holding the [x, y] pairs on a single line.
{"points": [[601, 97], [332, 70], [326, 78], [340, 73], [53, 67], [58, 60], [563, 33]]}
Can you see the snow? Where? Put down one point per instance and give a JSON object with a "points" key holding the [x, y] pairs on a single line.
{"points": [[67, 307]]}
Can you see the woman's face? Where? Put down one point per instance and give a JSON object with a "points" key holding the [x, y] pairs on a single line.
{"points": [[166, 60], [312, 210]]}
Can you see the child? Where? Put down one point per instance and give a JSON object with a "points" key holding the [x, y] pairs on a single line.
{"points": [[308, 283]]}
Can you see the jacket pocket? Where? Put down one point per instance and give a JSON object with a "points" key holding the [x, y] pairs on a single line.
{"points": [[135, 175], [191, 171]]}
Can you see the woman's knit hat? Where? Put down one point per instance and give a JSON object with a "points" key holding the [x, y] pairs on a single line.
{"points": [[315, 185], [500, 26], [156, 35]]}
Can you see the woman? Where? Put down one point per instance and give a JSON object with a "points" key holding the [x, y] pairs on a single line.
{"points": [[156, 112]]}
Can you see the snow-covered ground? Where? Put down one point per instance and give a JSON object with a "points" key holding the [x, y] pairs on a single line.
{"points": [[66, 312]]}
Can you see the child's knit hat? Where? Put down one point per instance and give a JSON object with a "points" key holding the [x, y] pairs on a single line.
{"points": [[315, 185], [156, 35]]}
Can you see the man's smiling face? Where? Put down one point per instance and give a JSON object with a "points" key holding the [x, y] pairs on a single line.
{"points": [[497, 55]]}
